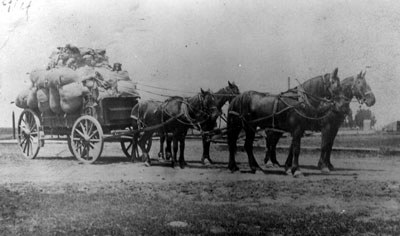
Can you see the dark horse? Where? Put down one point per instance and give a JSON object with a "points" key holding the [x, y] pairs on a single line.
{"points": [[176, 115], [287, 111], [355, 86], [221, 97]]}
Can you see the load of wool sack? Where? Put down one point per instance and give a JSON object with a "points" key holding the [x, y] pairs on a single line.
{"points": [[37, 75], [71, 97], [54, 100], [42, 95], [32, 99], [85, 73], [22, 99], [60, 76], [108, 76], [127, 89]]}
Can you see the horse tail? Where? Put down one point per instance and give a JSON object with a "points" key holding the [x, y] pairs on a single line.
{"points": [[238, 109]]}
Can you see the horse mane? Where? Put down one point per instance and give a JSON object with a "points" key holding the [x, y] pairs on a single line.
{"points": [[347, 84], [242, 102]]}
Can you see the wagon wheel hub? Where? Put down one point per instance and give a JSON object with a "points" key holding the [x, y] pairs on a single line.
{"points": [[26, 132]]}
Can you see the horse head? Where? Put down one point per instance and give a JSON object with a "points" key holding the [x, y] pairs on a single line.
{"points": [[233, 88], [208, 104], [362, 91], [332, 83]]}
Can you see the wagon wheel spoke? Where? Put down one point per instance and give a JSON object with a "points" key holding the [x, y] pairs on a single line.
{"points": [[95, 132], [25, 146], [28, 147], [89, 131], [129, 146], [23, 142], [83, 129], [87, 137], [80, 133]]}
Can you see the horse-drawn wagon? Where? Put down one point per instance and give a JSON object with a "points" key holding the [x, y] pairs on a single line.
{"points": [[79, 98], [84, 132]]}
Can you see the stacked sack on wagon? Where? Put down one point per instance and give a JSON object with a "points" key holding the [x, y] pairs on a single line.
{"points": [[71, 75]]}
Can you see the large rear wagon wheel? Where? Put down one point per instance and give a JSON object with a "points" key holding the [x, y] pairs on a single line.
{"points": [[29, 133], [87, 139]]}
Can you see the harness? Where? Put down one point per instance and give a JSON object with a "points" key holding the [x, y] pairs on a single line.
{"points": [[355, 91], [303, 102]]}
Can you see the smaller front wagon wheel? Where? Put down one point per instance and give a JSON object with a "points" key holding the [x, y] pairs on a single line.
{"points": [[87, 139]]}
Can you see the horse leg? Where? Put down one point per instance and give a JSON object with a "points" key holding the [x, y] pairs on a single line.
{"points": [[289, 159], [296, 142], [135, 143], [161, 153], [142, 145], [272, 140], [168, 152], [248, 146], [234, 129], [328, 153], [325, 143], [182, 161], [206, 150], [175, 150]]}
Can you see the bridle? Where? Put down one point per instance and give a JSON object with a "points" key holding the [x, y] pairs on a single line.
{"points": [[360, 96]]}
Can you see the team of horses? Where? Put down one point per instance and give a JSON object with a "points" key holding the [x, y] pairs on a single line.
{"points": [[319, 104]]}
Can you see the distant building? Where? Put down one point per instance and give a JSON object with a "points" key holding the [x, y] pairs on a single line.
{"points": [[392, 127]]}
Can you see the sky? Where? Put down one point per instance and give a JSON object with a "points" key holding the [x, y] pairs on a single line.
{"points": [[192, 44]]}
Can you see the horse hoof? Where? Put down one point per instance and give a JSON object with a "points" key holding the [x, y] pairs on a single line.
{"points": [[147, 164], [331, 167], [298, 174], [288, 171], [319, 165], [325, 170], [269, 165], [233, 169]]}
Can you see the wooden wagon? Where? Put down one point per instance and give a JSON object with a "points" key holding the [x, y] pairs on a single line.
{"points": [[85, 132]]}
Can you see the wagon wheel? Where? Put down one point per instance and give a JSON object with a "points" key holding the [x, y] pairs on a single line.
{"points": [[87, 139], [29, 133], [70, 148], [128, 144]]}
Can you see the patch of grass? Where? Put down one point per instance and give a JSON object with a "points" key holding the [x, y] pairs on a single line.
{"points": [[148, 208]]}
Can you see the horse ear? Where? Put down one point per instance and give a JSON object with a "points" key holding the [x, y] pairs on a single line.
{"points": [[229, 83], [334, 73], [202, 91], [363, 75], [360, 75]]}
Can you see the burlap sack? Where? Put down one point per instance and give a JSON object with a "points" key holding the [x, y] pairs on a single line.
{"points": [[37, 75], [32, 99], [71, 96], [42, 95], [22, 99], [54, 100], [61, 76]]}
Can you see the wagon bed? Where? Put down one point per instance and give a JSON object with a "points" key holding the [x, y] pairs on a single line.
{"points": [[85, 132]]}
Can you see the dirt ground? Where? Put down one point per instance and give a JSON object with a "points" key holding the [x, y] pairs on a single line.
{"points": [[55, 195]]}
